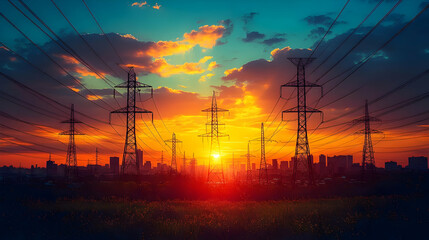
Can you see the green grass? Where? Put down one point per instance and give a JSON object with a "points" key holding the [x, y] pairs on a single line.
{"points": [[389, 217]]}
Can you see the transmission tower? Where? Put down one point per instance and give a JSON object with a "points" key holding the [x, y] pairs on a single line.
{"points": [[215, 169], [174, 141], [184, 163], [71, 160], [130, 165], [368, 162], [302, 161], [263, 169], [249, 170]]}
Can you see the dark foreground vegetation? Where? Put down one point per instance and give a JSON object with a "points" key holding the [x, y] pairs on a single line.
{"points": [[391, 208]]}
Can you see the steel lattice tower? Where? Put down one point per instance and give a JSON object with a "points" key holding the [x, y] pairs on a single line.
{"points": [[184, 163], [263, 169], [368, 162], [215, 171], [302, 159], [174, 141], [249, 170], [71, 159], [130, 165]]}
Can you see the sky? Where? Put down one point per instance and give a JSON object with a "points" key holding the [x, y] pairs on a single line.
{"points": [[185, 50]]}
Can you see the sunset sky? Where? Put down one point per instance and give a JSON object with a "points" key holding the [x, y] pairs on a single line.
{"points": [[187, 49]]}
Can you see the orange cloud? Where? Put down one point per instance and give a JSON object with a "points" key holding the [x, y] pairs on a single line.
{"points": [[69, 59], [93, 97], [156, 6], [232, 70], [164, 69], [206, 36], [74, 89], [139, 4], [213, 65], [128, 36], [205, 77], [165, 48], [278, 50], [78, 68]]}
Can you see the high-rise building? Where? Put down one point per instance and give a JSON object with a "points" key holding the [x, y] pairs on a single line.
{"points": [[322, 161], [114, 165], [139, 158], [275, 164], [51, 168], [340, 164], [418, 163], [147, 166], [284, 165], [390, 166]]}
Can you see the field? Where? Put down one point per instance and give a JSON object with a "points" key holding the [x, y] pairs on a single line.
{"points": [[374, 217]]}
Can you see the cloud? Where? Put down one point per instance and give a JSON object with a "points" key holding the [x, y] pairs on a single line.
{"points": [[252, 36], [204, 78], [160, 67], [165, 48], [156, 6], [321, 20], [139, 4], [229, 27], [129, 36], [247, 18], [273, 40], [206, 36], [317, 32]]}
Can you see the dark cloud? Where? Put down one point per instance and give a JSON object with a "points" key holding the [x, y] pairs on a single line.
{"points": [[252, 36], [273, 40], [394, 18], [247, 18], [317, 32], [229, 27], [321, 20]]}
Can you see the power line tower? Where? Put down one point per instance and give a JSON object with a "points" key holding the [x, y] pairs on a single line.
{"points": [[71, 159], [249, 170], [184, 163], [130, 165], [215, 166], [368, 162], [174, 141], [302, 161], [263, 169]]}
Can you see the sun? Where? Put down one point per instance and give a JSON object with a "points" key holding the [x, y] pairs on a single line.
{"points": [[216, 157]]}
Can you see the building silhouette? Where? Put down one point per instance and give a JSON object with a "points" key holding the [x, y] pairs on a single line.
{"points": [[114, 165], [418, 163]]}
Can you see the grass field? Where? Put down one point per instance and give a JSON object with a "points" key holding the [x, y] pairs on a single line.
{"points": [[389, 217]]}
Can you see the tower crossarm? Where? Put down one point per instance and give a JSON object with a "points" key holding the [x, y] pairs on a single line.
{"points": [[371, 131], [364, 119], [215, 109]]}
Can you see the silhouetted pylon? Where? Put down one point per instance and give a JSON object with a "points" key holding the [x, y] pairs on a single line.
{"points": [[263, 169], [215, 168], [174, 141], [130, 165], [368, 161], [301, 161], [71, 159], [249, 170]]}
